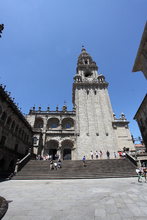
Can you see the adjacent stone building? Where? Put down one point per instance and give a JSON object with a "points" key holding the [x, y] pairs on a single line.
{"points": [[141, 57], [15, 133], [54, 132], [90, 126], [141, 118], [141, 65]]}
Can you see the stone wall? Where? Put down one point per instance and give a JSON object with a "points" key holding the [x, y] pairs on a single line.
{"points": [[15, 132]]}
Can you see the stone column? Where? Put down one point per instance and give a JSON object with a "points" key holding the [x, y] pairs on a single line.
{"points": [[59, 151], [43, 143]]}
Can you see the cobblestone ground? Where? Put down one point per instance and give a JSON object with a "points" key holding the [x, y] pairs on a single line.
{"points": [[100, 199]]}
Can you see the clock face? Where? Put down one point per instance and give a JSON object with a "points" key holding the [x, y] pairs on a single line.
{"points": [[88, 73]]}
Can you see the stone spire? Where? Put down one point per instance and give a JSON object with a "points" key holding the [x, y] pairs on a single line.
{"points": [[85, 62]]}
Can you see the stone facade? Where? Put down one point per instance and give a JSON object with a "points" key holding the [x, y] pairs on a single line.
{"points": [[141, 57], [141, 118], [54, 132], [91, 126], [15, 133], [141, 65]]}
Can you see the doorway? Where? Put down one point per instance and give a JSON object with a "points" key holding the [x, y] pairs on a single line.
{"points": [[53, 152], [67, 154]]}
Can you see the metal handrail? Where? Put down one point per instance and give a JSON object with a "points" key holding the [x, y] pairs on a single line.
{"points": [[132, 159], [20, 164], [20, 161]]}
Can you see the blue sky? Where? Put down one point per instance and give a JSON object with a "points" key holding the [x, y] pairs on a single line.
{"points": [[42, 40]]}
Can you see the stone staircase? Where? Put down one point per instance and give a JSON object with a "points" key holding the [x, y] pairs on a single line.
{"points": [[95, 169]]}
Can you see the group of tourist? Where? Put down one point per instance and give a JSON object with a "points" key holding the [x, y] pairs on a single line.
{"points": [[99, 154], [46, 157], [54, 165], [96, 154]]}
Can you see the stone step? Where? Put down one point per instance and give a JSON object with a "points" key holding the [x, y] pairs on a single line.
{"points": [[112, 168]]}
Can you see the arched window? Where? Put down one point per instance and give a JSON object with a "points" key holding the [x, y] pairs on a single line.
{"points": [[16, 129], [20, 132], [67, 146], [4, 116], [9, 120], [25, 137], [53, 123], [13, 126], [38, 123], [67, 123]]}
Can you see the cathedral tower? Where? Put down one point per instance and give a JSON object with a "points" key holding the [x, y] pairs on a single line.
{"points": [[96, 126]]}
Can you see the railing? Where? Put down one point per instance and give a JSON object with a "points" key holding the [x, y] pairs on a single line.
{"points": [[20, 164], [132, 159]]}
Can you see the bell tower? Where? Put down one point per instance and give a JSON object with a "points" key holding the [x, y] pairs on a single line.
{"points": [[94, 115]]}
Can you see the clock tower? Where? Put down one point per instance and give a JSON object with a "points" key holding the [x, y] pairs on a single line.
{"points": [[95, 128]]}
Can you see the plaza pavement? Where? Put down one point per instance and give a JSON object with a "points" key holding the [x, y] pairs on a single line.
{"points": [[93, 199]]}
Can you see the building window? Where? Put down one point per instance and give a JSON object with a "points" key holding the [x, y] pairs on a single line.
{"points": [[4, 116], [35, 139], [9, 120], [16, 129], [13, 126], [53, 123], [38, 123], [26, 138], [3, 141], [20, 132], [67, 125]]}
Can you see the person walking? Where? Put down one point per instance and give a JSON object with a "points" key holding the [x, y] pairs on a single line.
{"points": [[96, 155], [84, 161], [115, 155], [59, 164], [91, 154], [139, 173], [144, 173], [101, 154], [108, 154]]}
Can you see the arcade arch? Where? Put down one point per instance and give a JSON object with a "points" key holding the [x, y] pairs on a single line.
{"points": [[53, 123], [67, 146], [38, 123], [51, 148], [67, 123]]}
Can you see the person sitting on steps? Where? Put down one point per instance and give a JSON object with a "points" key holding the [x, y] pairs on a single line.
{"points": [[51, 165]]}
